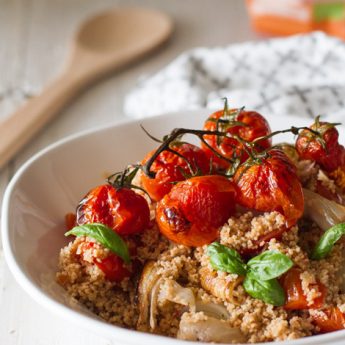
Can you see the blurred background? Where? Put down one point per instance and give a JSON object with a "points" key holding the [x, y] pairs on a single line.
{"points": [[36, 35]]}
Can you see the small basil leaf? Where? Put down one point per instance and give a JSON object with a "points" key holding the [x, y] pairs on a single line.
{"points": [[269, 291], [226, 259], [327, 241], [105, 236], [269, 265]]}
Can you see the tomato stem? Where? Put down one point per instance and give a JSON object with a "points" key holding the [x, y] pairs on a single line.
{"points": [[294, 130], [176, 133], [123, 179], [249, 147], [150, 135]]}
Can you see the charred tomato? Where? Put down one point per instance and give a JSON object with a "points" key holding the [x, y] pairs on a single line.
{"points": [[170, 167], [194, 209]]}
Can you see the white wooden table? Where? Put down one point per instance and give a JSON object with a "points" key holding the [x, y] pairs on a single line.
{"points": [[34, 38]]}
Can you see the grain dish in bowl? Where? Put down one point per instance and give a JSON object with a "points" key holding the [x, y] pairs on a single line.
{"points": [[233, 241]]}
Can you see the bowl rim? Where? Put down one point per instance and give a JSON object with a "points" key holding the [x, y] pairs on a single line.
{"points": [[85, 322]]}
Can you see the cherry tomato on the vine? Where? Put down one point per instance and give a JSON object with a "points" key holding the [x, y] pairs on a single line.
{"points": [[270, 183], [170, 168], [122, 209], [194, 209], [324, 148], [247, 125], [331, 320], [295, 297]]}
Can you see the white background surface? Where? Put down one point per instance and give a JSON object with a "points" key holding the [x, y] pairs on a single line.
{"points": [[34, 36]]}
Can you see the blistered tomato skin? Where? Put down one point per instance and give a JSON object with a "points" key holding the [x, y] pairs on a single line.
{"points": [[254, 126], [295, 298], [193, 211], [329, 156], [167, 167], [123, 210], [271, 184]]}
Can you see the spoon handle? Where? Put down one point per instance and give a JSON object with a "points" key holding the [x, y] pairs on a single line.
{"points": [[18, 128]]}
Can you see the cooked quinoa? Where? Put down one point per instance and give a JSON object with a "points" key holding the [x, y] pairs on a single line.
{"points": [[258, 321]]}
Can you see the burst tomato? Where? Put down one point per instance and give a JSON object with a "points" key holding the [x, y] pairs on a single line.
{"points": [[170, 168], [194, 209], [324, 150], [113, 268], [332, 320], [122, 209], [295, 298], [270, 183], [254, 126]]}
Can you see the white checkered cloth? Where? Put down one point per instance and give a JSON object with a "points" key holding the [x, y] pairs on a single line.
{"points": [[301, 75]]}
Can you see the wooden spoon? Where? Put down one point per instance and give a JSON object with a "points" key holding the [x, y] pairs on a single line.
{"points": [[103, 44]]}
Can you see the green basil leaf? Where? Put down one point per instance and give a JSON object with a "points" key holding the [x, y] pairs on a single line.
{"points": [[269, 291], [226, 259], [269, 265], [105, 236], [327, 241]]}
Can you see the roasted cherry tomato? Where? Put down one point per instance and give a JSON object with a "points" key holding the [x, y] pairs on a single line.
{"points": [[122, 209], [112, 266], [295, 298], [270, 183], [170, 168], [258, 244], [323, 149], [253, 126], [334, 320], [194, 209]]}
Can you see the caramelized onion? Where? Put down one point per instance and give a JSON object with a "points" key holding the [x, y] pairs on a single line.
{"points": [[212, 309], [154, 303], [208, 329], [148, 280], [325, 213], [154, 289], [172, 291]]}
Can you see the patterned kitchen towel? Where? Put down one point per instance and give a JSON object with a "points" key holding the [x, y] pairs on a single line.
{"points": [[301, 75]]}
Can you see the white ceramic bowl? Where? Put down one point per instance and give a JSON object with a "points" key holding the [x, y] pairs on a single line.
{"points": [[51, 183]]}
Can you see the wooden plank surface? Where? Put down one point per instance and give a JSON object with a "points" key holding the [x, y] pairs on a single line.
{"points": [[34, 37]]}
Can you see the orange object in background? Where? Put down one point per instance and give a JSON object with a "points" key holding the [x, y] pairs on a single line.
{"points": [[287, 17]]}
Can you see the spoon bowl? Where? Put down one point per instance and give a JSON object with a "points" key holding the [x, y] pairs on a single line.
{"points": [[117, 37], [108, 32], [104, 43]]}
